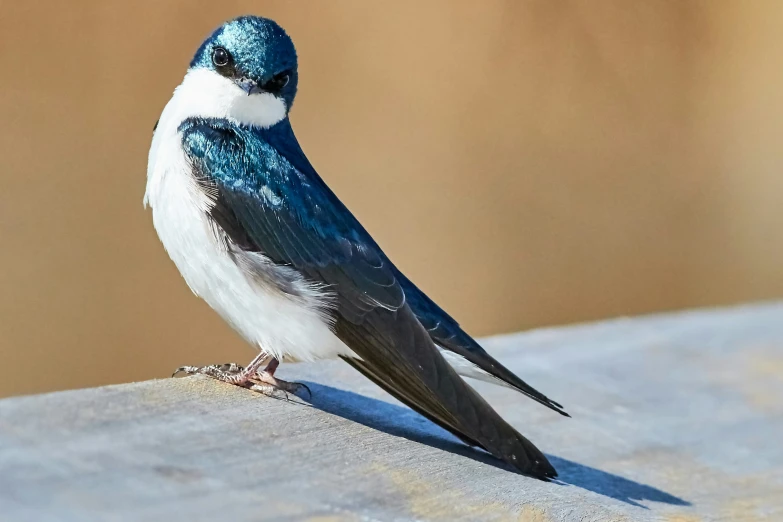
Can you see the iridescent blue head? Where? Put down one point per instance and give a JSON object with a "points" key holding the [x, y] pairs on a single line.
{"points": [[255, 53]]}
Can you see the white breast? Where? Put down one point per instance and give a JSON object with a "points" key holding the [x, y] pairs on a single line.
{"points": [[286, 328]]}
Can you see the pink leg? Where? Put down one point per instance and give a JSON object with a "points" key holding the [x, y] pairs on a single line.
{"points": [[272, 366], [267, 382]]}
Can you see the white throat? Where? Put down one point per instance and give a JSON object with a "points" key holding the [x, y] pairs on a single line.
{"points": [[205, 93]]}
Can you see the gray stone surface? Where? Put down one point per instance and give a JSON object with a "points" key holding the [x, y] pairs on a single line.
{"points": [[676, 417]]}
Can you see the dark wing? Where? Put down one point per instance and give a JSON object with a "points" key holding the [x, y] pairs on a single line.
{"points": [[447, 333], [443, 330], [294, 219]]}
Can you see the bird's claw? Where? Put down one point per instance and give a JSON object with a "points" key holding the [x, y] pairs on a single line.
{"points": [[268, 384], [261, 381], [190, 370]]}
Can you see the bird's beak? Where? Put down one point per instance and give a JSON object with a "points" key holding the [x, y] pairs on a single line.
{"points": [[249, 86]]}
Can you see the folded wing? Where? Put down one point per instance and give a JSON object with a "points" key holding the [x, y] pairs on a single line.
{"points": [[266, 202]]}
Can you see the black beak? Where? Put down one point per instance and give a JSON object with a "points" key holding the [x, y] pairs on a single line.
{"points": [[249, 86]]}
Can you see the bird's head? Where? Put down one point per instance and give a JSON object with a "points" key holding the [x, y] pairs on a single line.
{"points": [[248, 69]]}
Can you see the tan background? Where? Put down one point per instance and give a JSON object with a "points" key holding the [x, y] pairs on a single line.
{"points": [[528, 163]]}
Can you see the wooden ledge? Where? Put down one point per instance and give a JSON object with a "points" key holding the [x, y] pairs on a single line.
{"points": [[676, 417]]}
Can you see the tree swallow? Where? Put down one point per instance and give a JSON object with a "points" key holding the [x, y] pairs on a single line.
{"points": [[258, 235]]}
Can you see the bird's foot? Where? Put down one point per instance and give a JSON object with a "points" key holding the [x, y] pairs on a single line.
{"points": [[266, 383], [231, 373], [222, 372], [260, 381]]}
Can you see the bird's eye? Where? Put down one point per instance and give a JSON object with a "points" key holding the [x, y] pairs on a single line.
{"points": [[277, 83], [220, 56]]}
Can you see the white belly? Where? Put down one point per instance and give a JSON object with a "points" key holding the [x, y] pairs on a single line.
{"points": [[281, 326]]}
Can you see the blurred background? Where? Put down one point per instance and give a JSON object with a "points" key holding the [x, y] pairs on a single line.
{"points": [[527, 163]]}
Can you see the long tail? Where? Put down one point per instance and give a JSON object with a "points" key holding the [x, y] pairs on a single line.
{"points": [[398, 354]]}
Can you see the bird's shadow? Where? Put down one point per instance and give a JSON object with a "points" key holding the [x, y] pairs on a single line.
{"points": [[403, 422]]}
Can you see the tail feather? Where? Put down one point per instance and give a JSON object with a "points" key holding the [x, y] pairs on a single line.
{"points": [[397, 353], [447, 333], [481, 359]]}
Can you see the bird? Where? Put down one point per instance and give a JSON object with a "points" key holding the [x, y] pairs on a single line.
{"points": [[258, 234]]}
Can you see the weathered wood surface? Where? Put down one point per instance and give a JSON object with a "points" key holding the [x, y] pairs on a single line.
{"points": [[676, 417]]}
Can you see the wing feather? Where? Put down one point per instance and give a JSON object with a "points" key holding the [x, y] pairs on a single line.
{"points": [[284, 210]]}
